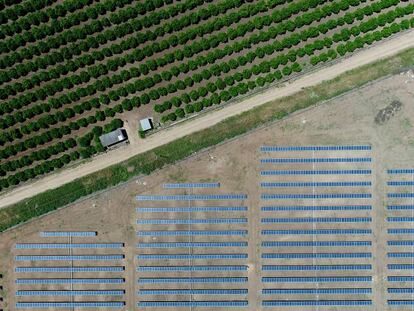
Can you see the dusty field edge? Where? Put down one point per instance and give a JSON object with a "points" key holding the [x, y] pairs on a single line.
{"points": [[180, 149]]}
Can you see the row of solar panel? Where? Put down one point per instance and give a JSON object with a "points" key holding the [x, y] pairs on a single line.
{"points": [[316, 184], [400, 195], [193, 233], [67, 245], [401, 243], [317, 291], [314, 255], [317, 279], [400, 207], [143, 292], [401, 255], [315, 160], [400, 278], [315, 219], [318, 232], [231, 303], [400, 302], [70, 293], [70, 281], [401, 171], [68, 269], [400, 231], [315, 267], [78, 304], [315, 196], [291, 303], [191, 221], [190, 256], [191, 197], [192, 244], [190, 268], [400, 266], [401, 290], [191, 209], [314, 243], [314, 148], [47, 234], [281, 208], [191, 185], [315, 172], [67, 257], [400, 183], [193, 280], [400, 219]]}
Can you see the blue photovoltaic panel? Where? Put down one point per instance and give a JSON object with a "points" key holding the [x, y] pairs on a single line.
{"points": [[400, 207], [400, 278], [400, 195], [315, 267], [315, 184], [232, 303], [191, 209], [315, 219], [91, 304], [401, 290], [401, 302], [314, 148], [318, 279], [143, 292], [192, 185], [401, 255], [193, 233], [314, 255], [70, 281], [190, 256], [316, 196], [192, 244], [70, 293], [400, 231], [191, 221], [314, 243], [401, 243], [401, 266], [315, 172], [67, 245], [46, 234], [400, 183], [317, 291], [318, 231], [281, 208], [67, 257], [190, 268], [401, 171], [68, 269], [314, 160], [400, 219], [192, 280], [290, 303], [190, 197]]}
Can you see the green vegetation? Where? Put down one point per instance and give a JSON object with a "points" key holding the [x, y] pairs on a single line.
{"points": [[177, 150]]}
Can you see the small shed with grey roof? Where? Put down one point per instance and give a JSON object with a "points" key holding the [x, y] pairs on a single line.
{"points": [[113, 138]]}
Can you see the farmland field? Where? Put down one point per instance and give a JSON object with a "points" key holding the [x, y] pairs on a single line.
{"points": [[72, 70], [275, 232]]}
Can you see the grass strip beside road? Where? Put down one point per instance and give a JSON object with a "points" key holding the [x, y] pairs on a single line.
{"points": [[179, 149]]}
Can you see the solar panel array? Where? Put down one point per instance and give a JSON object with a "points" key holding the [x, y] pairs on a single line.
{"points": [[191, 253], [67, 272], [316, 226], [400, 241]]}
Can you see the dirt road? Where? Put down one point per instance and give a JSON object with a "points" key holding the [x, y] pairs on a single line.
{"points": [[382, 50]]}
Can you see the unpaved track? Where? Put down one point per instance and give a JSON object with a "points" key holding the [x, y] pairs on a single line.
{"points": [[381, 50]]}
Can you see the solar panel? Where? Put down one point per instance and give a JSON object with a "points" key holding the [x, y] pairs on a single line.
{"points": [[315, 160], [401, 243], [89, 304], [400, 278], [70, 293], [406, 302], [401, 255], [191, 197], [190, 256], [400, 183], [318, 291], [314, 243], [400, 231], [193, 280], [315, 219], [194, 233], [281, 208], [191, 221], [192, 244], [232, 303], [315, 172], [314, 148], [67, 245], [315, 267], [400, 195], [70, 281], [316, 196], [400, 219], [191, 209], [318, 232], [318, 279], [401, 171], [192, 185], [46, 234], [190, 268], [68, 269], [143, 292], [67, 257], [289, 303], [315, 184], [401, 290], [400, 266], [400, 207], [314, 255]]}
